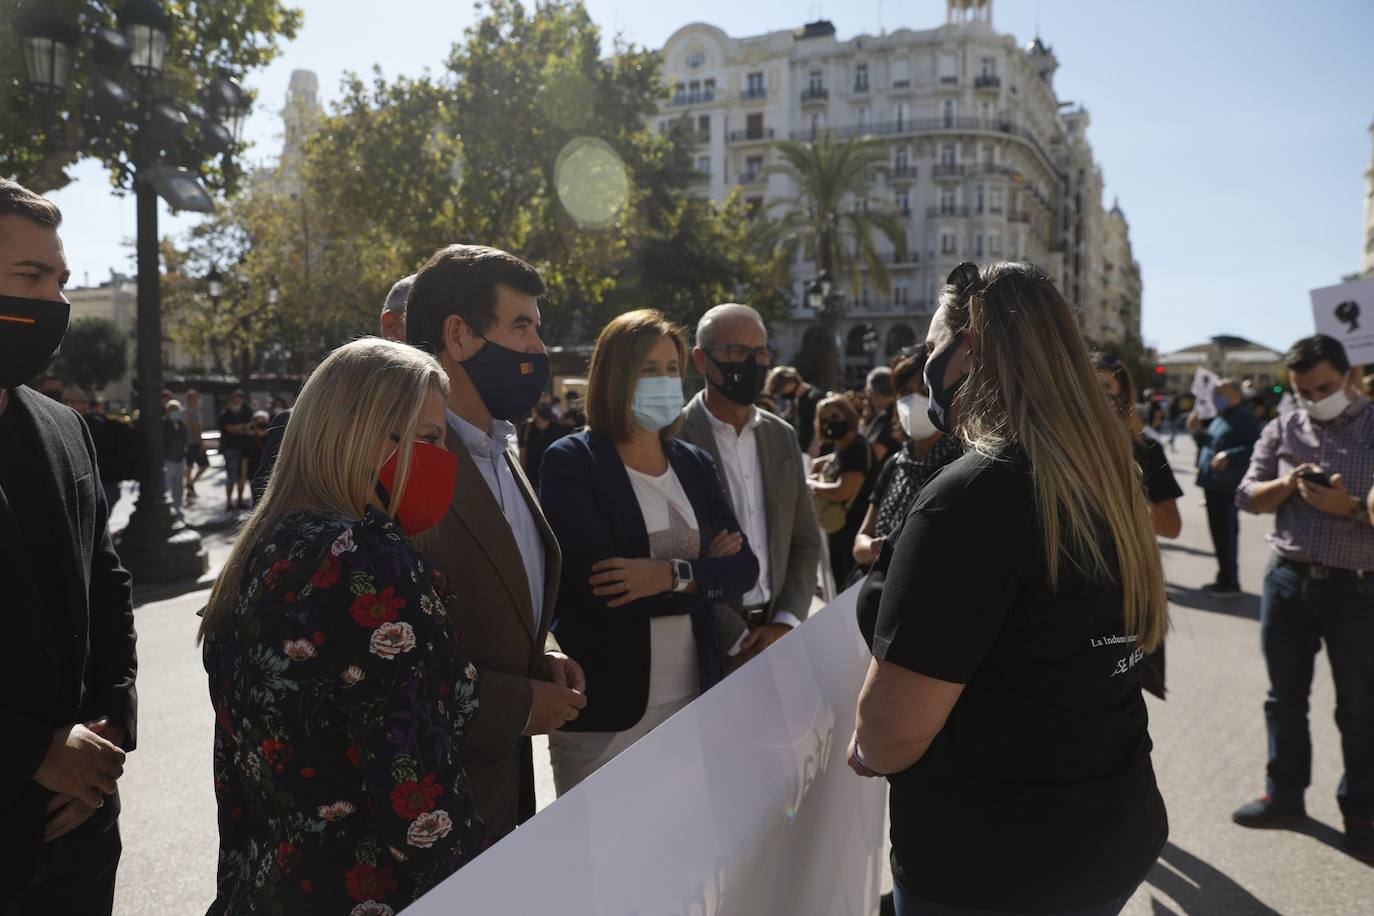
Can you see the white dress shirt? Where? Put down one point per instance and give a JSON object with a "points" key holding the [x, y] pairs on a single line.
{"points": [[739, 460], [488, 451]]}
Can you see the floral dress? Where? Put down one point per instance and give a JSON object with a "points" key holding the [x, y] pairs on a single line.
{"points": [[341, 704]]}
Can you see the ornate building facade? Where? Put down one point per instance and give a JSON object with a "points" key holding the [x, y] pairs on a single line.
{"points": [[984, 163]]}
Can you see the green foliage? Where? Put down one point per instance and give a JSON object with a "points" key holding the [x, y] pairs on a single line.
{"points": [[95, 352], [529, 127], [37, 145], [834, 218]]}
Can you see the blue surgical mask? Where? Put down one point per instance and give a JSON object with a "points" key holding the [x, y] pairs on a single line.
{"points": [[1221, 402], [174, 416], [658, 401]]}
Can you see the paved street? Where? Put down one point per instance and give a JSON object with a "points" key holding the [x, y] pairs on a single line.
{"points": [[1209, 753]]}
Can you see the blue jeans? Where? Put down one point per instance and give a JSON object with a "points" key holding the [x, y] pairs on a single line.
{"points": [[906, 904], [1224, 520], [1297, 614]]}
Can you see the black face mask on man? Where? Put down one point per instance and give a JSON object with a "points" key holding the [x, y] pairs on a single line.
{"points": [[740, 382], [508, 381], [942, 395], [31, 332]]}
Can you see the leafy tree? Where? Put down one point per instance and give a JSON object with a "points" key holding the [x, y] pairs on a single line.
{"points": [[39, 142], [833, 219], [95, 352]]}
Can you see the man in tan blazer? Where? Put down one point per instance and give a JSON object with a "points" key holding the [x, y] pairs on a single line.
{"points": [[476, 309], [762, 471]]}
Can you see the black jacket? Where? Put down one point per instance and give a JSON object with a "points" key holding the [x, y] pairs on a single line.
{"points": [[591, 506], [77, 669]]}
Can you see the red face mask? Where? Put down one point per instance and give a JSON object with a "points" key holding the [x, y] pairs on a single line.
{"points": [[429, 487]]}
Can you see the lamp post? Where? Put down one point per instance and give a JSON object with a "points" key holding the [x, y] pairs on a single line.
{"points": [[156, 545]]}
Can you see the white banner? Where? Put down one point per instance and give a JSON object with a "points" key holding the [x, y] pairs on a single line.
{"points": [[740, 804], [1346, 312]]}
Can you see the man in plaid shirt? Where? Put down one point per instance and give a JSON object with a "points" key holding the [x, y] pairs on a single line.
{"points": [[1314, 467]]}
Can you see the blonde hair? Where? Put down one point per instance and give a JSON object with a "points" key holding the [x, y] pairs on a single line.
{"points": [[1031, 382], [620, 351], [333, 448]]}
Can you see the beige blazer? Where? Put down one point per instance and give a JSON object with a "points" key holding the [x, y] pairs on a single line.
{"points": [[494, 624]]}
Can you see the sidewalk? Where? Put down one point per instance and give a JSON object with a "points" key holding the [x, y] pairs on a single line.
{"points": [[208, 516]]}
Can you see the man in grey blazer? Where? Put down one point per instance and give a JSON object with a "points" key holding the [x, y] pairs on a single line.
{"points": [[762, 471]]}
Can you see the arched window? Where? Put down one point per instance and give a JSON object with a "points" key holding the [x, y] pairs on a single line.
{"points": [[899, 337]]}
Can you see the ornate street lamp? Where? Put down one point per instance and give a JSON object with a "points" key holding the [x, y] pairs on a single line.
{"points": [[146, 25], [214, 285], [48, 40], [156, 545]]}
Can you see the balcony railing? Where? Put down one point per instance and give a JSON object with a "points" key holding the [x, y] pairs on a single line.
{"points": [[693, 98], [901, 84], [987, 81], [901, 173], [932, 212], [861, 86], [1018, 216], [746, 135], [750, 178], [949, 170], [700, 177], [932, 125], [750, 95], [814, 94], [949, 80]]}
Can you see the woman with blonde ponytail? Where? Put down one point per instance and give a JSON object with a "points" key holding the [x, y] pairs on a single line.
{"points": [[1004, 699], [340, 699]]}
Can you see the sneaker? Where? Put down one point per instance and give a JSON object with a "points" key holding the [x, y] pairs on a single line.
{"points": [[1218, 590], [1264, 812], [1359, 840]]}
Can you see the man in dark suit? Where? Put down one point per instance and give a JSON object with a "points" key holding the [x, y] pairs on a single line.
{"points": [[67, 686], [477, 310], [762, 472]]}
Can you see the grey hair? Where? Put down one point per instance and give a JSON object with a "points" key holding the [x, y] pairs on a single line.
{"points": [[721, 314], [396, 299]]}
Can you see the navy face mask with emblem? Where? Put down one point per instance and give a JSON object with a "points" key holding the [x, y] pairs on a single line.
{"points": [[942, 395], [31, 331], [508, 381]]}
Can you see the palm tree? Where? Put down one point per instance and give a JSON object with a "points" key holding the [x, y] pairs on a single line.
{"points": [[834, 220]]}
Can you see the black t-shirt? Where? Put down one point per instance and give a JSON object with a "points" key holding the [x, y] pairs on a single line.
{"points": [[1038, 794], [238, 442], [1160, 485]]}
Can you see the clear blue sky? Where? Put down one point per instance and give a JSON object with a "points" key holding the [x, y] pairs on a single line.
{"points": [[1234, 134]]}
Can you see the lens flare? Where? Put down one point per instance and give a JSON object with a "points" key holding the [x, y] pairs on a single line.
{"points": [[593, 183]]}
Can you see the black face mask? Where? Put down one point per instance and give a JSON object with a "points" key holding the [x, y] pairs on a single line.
{"points": [[740, 382], [545, 413], [509, 382], [942, 396], [31, 332], [835, 430]]}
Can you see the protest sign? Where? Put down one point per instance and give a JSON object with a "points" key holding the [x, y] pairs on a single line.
{"points": [[740, 804], [1346, 312]]}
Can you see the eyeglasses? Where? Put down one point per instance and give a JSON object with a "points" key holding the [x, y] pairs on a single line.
{"points": [[738, 353]]}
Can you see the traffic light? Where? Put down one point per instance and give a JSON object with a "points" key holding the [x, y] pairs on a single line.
{"points": [[1278, 389], [1159, 370]]}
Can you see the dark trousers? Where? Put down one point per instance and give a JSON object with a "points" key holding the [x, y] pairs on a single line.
{"points": [[74, 876], [907, 905], [1224, 520], [1297, 614]]}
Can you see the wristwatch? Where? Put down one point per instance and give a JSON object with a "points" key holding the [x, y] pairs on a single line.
{"points": [[682, 575]]}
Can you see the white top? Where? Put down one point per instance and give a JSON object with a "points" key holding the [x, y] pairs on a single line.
{"points": [[488, 451], [673, 535], [743, 472]]}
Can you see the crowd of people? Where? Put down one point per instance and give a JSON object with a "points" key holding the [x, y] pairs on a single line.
{"points": [[423, 585]]}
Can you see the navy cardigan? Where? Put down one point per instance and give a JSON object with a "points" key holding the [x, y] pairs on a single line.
{"points": [[590, 504]]}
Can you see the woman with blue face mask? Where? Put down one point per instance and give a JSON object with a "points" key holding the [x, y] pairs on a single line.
{"points": [[650, 545]]}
